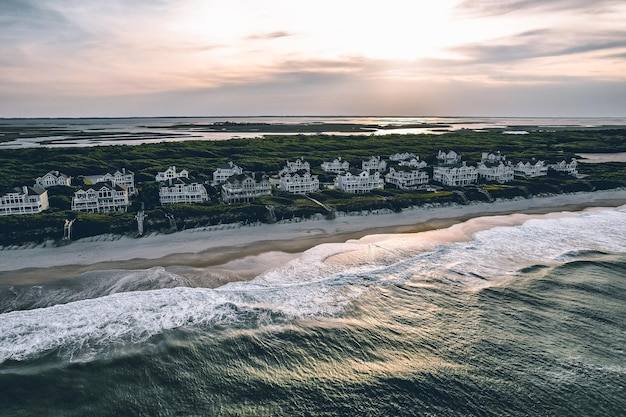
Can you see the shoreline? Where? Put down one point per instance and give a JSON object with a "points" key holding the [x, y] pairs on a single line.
{"points": [[199, 248]]}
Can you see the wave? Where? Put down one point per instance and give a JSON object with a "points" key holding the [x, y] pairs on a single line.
{"points": [[101, 283], [88, 285], [323, 282], [85, 329]]}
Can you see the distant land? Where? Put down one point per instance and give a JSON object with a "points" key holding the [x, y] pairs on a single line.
{"points": [[64, 132]]}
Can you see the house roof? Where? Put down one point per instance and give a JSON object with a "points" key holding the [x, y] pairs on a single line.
{"points": [[55, 174], [404, 168], [23, 190], [123, 171], [238, 178], [100, 185]]}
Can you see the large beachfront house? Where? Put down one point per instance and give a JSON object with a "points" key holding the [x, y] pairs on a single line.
{"points": [[225, 171], [406, 178], [300, 182], [245, 188], [355, 181], [455, 176], [182, 190], [124, 177], [24, 200], [53, 178], [570, 168], [170, 174], [336, 166], [102, 197], [495, 172], [530, 170]]}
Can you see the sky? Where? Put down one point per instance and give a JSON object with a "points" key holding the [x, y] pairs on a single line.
{"points": [[122, 58]]}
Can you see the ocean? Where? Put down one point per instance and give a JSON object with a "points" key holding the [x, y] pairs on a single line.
{"points": [[526, 320]]}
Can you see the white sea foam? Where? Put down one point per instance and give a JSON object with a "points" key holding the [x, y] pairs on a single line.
{"points": [[312, 285], [84, 328], [502, 251]]}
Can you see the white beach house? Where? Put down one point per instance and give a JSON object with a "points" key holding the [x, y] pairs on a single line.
{"points": [[374, 164], [355, 181], [102, 197], [171, 173], [53, 178], [295, 166], [450, 158], [182, 190], [300, 182], [492, 157], [406, 178], [402, 156], [413, 163], [124, 177], [336, 166], [225, 171], [498, 172], [245, 188], [456, 176], [24, 200], [566, 167], [530, 170]]}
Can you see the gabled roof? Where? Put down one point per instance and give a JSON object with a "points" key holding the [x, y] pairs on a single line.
{"points": [[176, 181], [238, 178], [55, 173], [404, 168], [124, 171], [102, 185], [26, 190], [354, 171]]}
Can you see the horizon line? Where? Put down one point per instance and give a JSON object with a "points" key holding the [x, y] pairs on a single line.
{"points": [[303, 116]]}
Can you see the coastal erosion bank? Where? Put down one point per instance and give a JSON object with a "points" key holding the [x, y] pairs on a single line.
{"points": [[235, 253]]}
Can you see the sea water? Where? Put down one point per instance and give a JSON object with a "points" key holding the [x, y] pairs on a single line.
{"points": [[525, 320]]}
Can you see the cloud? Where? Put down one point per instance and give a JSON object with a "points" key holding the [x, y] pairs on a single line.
{"points": [[323, 94], [129, 53], [29, 20], [541, 43], [270, 35], [619, 55], [500, 7]]}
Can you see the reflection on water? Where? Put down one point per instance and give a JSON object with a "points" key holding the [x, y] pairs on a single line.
{"points": [[600, 158]]}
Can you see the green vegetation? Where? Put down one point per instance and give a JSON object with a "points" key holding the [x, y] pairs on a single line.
{"points": [[21, 166]]}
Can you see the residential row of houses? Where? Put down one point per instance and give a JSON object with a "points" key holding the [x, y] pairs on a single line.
{"points": [[111, 192]]}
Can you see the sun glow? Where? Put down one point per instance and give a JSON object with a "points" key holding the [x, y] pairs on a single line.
{"points": [[394, 50], [392, 30]]}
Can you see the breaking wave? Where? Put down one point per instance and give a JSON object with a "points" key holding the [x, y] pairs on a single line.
{"points": [[322, 282]]}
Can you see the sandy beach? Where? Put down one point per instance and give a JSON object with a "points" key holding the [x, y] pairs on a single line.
{"points": [[233, 249]]}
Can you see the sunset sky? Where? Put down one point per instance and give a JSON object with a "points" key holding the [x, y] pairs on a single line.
{"points": [[343, 57]]}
